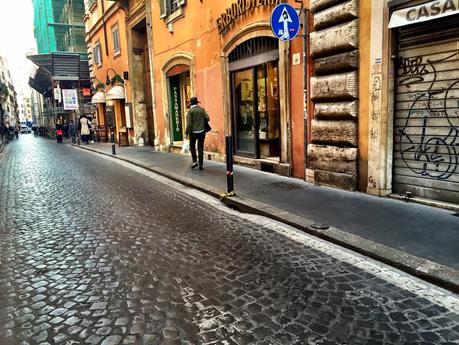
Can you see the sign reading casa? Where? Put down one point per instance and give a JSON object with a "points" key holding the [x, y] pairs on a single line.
{"points": [[237, 9], [425, 12]]}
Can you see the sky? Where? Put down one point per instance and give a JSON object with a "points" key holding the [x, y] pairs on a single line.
{"points": [[16, 39]]}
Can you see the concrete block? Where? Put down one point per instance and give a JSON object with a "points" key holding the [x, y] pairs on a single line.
{"points": [[337, 14], [343, 86], [319, 5], [338, 133], [338, 63], [331, 158], [332, 179], [335, 40], [338, 110]]}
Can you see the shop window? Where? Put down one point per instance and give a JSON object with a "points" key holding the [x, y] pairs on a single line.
{"points": [[116, 39], [97, 53], [255, 99], [171, 9]]}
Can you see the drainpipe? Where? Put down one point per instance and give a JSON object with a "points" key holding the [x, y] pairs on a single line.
{"points": [[105, 27], [305, 84]]}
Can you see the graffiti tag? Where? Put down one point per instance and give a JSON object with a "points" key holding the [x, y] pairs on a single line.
{"points": [[436, 153], [412, 70]]}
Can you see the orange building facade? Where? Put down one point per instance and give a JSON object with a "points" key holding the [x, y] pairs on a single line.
{"points": [[225, 53], [105, 23]]}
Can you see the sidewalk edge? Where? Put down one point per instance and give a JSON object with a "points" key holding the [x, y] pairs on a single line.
{"points": [[441, 275]]}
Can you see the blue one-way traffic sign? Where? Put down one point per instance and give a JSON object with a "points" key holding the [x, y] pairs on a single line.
{"points": [[285, 22]]}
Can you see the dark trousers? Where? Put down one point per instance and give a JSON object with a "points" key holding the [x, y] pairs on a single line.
{"points": [[199, 137]]}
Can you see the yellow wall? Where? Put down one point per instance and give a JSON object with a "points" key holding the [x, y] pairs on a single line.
{"points": [[119, 61]]}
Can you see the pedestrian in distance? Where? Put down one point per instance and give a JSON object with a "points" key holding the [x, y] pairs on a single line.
{"points": [[65, 129], [16, 131], [85, 129], [59, 132], [73, 130], [196, 127]]}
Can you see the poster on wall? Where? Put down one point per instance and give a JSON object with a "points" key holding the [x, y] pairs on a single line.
{"points": [[70, 99]]}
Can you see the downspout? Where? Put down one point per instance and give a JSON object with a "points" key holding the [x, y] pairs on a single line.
{"points": [[105, 27], [305, 84]]}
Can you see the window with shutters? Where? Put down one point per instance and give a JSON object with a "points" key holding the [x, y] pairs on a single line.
{"points": [[116, 40], [171, 9], [97, 53]]}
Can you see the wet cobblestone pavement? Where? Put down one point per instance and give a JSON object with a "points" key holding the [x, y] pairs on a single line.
{"points": [[94, 253]]}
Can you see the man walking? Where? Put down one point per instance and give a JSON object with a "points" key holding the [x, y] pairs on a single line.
{"points": [[196, 119]]}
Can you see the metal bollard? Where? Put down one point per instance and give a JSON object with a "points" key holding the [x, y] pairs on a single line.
{"points": [[112, 135], [229, 163]]}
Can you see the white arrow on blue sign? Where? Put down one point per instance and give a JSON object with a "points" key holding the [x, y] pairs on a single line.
{"points": [[285, 22]]}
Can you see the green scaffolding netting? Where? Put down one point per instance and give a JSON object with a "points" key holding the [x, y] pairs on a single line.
{"points": [[58, 25]]}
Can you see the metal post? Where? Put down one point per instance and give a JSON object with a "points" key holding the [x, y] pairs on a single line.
{"points": [[229, 163], [112, 135]]}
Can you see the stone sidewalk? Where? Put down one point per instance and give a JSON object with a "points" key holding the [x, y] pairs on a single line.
{"points": [[418, 239]]}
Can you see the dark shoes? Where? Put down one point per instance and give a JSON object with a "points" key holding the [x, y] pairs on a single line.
{"points": [[195, 165]]}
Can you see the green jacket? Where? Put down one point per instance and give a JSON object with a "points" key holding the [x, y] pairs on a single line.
{"points": [[195, 119]]}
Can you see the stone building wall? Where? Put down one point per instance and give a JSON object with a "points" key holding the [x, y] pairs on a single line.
{"points": [[332, 155]]}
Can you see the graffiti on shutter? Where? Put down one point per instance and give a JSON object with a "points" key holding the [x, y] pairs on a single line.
{"points": [[426, 130]]}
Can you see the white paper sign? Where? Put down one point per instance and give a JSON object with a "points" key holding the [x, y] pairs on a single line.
{"points": [[57, 94], [423, 13], [70, 99]]}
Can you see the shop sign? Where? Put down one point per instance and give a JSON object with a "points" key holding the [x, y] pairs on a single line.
{"points": [[70, 99], [176, 109], [57, 94], [285, 22], [239, 8], [86, 91], [423, 13]]}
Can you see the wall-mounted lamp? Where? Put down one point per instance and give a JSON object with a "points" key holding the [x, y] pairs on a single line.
{"points": [[108, 78]]}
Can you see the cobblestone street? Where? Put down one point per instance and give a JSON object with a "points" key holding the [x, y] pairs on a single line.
{"points": [[92, 252]]}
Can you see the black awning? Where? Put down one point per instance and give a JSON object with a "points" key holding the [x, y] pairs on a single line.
{"points": [[40, 80]]}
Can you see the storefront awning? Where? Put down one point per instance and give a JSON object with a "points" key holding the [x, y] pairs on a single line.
{"points": [[99, 97], [116, 92], [425, 12]]}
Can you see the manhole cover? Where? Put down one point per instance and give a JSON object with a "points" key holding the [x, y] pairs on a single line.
{"points": [[320, 226]]}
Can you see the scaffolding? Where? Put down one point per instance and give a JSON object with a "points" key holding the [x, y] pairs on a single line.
{"points": [[58, 26]]}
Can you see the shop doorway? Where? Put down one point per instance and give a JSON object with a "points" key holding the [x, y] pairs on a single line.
{"points": [[179, 98], [255, 99]]}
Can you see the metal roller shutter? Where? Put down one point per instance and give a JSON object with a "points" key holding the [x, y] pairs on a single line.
{"points": [[426, 128]]}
